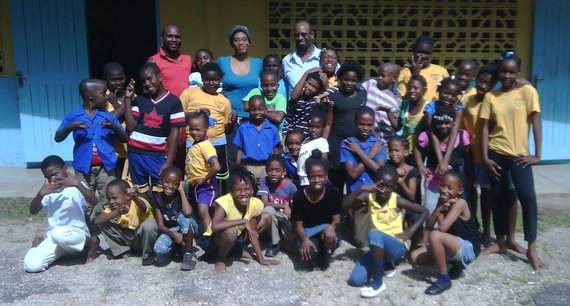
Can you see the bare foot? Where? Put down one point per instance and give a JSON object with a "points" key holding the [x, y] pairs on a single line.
{"points": [[245, 255], [487, 241], [493, 248], [90, 249], [220, 267], [513, 245], [534, 260], [37, 240]]}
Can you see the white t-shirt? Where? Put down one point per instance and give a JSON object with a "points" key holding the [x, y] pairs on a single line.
{"points": [[66, 208], [305, 152]]}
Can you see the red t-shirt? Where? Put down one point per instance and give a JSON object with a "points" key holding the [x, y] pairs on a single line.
{"points": [[174, 73]]}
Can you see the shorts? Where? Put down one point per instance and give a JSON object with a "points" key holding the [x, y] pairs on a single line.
{"points": [[204, 194], [465, 255], [482, 178], [208, 244], [142, 166]]}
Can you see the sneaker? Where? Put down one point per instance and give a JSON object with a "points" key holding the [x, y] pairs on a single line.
{"points": [[188, 261], [324, 259], [389, 269], [272, 251], [369, 292], [148, 261]]}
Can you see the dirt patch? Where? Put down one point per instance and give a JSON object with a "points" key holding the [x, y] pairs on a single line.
{"points": [[491, 279]]}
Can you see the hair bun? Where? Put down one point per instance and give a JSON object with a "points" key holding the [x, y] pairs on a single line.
{"points": [[316, 153]]}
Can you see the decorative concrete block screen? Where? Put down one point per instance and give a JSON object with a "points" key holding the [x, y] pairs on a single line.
{"points": [[373, 32]]}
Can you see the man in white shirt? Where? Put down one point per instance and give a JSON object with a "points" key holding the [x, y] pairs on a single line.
{"points": [[305, 56]]}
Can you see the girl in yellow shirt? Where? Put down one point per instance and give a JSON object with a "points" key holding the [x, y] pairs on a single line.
{"points": [[507, 115], [387, 238]]}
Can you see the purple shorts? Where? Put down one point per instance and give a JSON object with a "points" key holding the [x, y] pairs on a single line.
{"points": [[204, 194]]}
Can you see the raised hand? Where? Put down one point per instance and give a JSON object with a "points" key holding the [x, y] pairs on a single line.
{"points": [[130, 89], [76, 125], [415, 65]]}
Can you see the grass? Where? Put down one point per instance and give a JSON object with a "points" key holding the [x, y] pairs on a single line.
{"points": [[548, 218], [19, 208]]}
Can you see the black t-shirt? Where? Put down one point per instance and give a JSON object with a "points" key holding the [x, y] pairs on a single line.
{"points": [[344, 111], [322, 212], [169, 211]]}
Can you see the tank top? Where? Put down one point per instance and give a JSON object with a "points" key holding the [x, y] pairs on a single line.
{"points": [[467, 230]]}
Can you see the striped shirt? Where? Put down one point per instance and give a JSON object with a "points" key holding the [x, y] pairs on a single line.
{"points": [[297, 116], [154, 120], [386, 98]]}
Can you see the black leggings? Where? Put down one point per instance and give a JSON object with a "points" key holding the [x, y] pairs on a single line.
{"points": [[502, 202]]}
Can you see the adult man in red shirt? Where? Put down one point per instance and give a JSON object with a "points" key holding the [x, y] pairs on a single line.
{"points": [[175, 69], [174, 66]]}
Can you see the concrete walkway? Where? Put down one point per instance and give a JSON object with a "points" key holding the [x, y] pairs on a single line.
{"points": [[550, 180]]}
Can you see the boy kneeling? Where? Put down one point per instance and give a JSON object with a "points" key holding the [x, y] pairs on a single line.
{"points": [[66, 199], [127, 222]]}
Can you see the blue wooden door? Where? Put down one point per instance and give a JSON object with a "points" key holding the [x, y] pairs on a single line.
{"points": [[50, 47], [551, 70]]}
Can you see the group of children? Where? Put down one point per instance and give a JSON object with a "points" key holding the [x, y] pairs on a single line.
{"points": [[336, 137]]}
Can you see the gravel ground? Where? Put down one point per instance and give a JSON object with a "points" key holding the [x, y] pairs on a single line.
{"points": [[491, 279]]}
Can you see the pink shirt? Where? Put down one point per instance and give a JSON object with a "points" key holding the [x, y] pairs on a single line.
{"points": [[174, 73], [434, 180]]}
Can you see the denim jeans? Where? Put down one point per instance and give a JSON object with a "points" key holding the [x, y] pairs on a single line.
{"points": [[523, 180], [366, 267], [163, 245], [312, 233]]}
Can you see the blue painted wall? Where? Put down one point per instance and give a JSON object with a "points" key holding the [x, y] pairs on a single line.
{"points": [[11, 148]]}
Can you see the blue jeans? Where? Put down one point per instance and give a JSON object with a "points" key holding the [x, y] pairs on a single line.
{"points": [[317, 229], [163, 245], [366, 266]]}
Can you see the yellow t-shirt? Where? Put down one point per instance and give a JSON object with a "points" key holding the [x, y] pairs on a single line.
{"points": [[433, 75], [388, 219], [133, 218], [473, 126], [120, 147], [195, 98], [226, 202], [509, 111], [198, 159], [333, 81], [465, 96]]}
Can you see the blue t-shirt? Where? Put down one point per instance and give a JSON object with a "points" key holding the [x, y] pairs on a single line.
{"points": [[237, 87], [278, 195], [430, 108], [367, 176], [291, 168], [256, 144], [95, 133]]}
